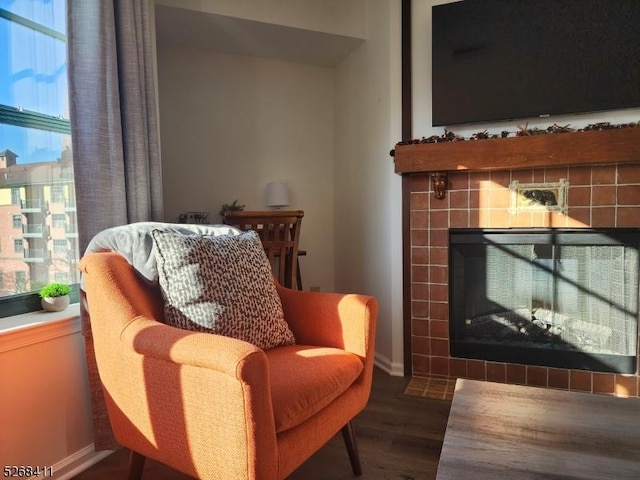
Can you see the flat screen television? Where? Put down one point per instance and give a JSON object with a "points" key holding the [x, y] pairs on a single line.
{"points": [[495, 60]]}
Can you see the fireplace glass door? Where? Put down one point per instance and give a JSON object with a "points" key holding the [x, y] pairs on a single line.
{"points": [[559, 298]]}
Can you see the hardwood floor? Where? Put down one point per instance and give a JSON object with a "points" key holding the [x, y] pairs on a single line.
{"points": [[399, 437]]}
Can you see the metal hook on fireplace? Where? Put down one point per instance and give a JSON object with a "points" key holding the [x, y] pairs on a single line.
{"points": [[439, 182]]}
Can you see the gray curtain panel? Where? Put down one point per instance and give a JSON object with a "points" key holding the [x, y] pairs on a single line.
{"points": [[114, 128]]}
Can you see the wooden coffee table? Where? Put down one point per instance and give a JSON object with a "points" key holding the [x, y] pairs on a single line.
{"points": [[498, 431]]}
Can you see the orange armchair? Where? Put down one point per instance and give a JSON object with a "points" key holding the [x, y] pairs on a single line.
{"points": [[215, 407]]}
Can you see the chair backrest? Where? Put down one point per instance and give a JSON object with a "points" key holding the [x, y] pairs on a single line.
{"points": [[279, 232]]}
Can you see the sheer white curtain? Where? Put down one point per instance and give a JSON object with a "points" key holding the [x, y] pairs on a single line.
{"points": [[114, 127]]}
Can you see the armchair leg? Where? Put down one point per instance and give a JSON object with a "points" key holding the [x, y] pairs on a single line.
{"points": [[349, 435], [136, 465]]}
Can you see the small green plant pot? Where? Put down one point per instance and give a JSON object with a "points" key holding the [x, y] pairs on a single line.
{"points": [[54, 304]]}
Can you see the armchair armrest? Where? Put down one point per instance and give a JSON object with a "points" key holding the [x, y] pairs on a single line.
{"points": [[171, 387], [345, 321], [230, 356], [167, 389]]}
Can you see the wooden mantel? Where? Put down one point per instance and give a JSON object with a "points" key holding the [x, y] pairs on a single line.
{"points": [[620, 145]]}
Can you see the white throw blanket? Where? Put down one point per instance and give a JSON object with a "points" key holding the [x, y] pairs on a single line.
{"points": [[134, 242]]}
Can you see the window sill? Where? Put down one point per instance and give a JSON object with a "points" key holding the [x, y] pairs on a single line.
{"points": [[34, 327]]}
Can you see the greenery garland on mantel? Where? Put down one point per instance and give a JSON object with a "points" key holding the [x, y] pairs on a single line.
{"points": [[603, 143], [522, 131]]}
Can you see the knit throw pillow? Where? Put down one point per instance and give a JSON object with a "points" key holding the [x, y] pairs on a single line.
{"points": [[222, 285]]}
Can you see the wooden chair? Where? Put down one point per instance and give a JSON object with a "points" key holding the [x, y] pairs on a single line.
{"points": [[279, 232]]}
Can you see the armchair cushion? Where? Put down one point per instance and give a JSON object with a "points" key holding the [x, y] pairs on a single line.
{"points": [[221, 284], [305, 379]]}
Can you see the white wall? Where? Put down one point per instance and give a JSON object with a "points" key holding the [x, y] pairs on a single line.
{"points": [[339, 17], [368, 193], [230, 124]]}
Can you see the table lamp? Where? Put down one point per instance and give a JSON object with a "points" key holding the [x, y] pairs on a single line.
{"points": [[277, 195]]}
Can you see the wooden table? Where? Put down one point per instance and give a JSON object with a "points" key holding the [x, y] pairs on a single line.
{"points": [[498, 431]]}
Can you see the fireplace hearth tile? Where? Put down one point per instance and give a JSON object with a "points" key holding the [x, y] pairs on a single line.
{"points": [[496, 372], [603, 383], [420, 327], [439, 237], [537, 376], [440, 347], [439, 274], [580, 217], [558, 378], [440, 365], [457, 367], [420, 255], [439, 311], [580, 380], [458, 218], [431, 387], [421, 344], [439, 328], [500, 177], [438, 255], [439, 293], [524, 176], [420, 273], [556, 174], [476, 369], [516, 374], [419, 201], [604, 195], [628, 194], [603, 175], [629, 173], [580, 176], [602, 216], [420, 309], [420, 238], [579, 197], [458, 181], [626, 386], [421, 364], [628, 217], [420, 290], [458, 198]]}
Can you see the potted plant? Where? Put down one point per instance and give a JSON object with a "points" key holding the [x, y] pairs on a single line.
{"points": [[234, 207], [54, 297]]}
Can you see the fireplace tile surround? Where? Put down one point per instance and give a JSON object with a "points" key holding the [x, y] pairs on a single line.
{"points": [[597, 196]]}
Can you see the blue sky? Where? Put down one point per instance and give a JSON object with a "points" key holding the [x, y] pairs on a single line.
{"points": [[33, 76]]}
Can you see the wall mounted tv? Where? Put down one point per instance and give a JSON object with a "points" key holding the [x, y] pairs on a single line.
{"points": [[499, 60]]}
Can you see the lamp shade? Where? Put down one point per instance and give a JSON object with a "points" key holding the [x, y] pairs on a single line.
{"points": [[277, 194]]}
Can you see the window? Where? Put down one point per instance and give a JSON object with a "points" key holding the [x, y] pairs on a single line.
{"points": [[17, 221], [60, 246], [58, 220], [61, 277], [20, 282], [57, 194], [36, 163]]}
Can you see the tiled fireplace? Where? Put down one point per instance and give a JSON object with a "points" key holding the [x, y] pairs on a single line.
{"points": [[598, 195]]}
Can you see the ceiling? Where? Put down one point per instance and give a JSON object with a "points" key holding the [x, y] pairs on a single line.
{"points": [[178, 27]]}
